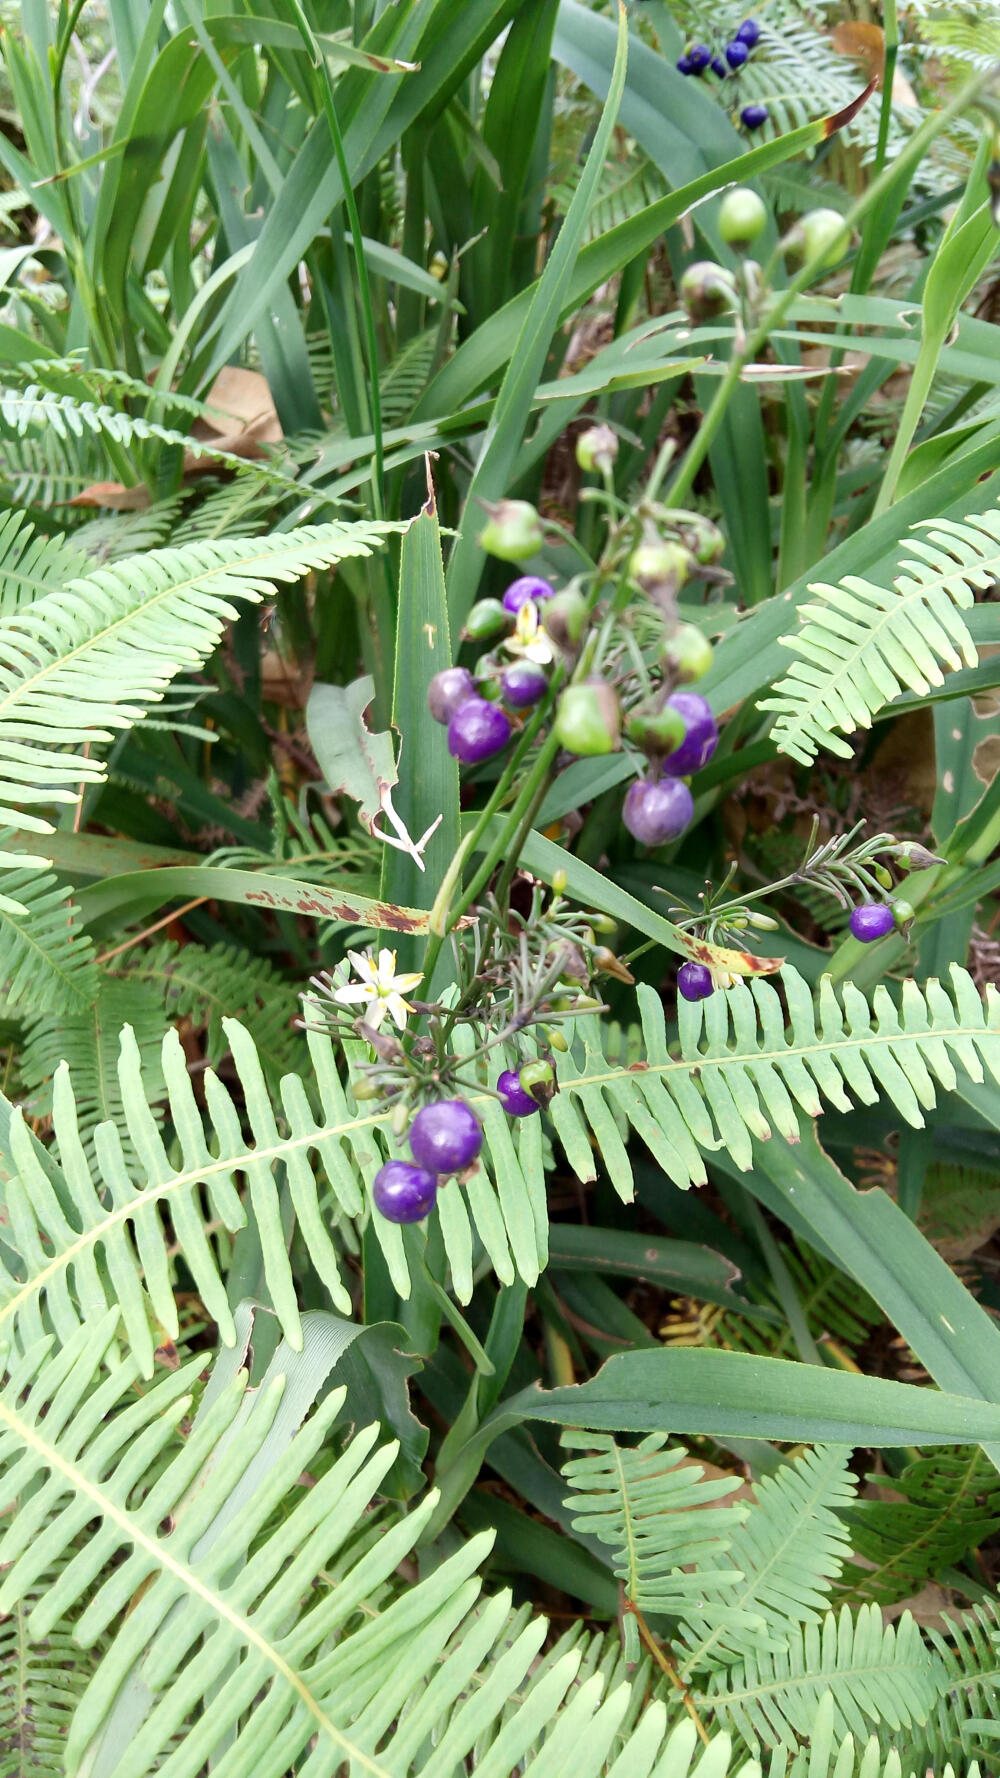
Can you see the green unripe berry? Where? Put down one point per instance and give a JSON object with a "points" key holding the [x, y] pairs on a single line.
{"points": [[742, 216], [597, 448], [660, 564], [513, 531], [487, 684], [656, 731], [556, 1039], [588, 721], [706, 540], [707, 289], [903, 912], [564, 617], [820, 236], [486, 620], [688, 652]]}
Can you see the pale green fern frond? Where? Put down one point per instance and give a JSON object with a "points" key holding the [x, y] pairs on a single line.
{"points": [[655, 1509], [85, 662], [878, 1674], [864, 644], [31, 564], [209, 984], [746, 1067], [113, 535], [46, 959], [88, 1042]]}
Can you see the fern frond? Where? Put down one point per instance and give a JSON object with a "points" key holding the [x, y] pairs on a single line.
{"points": [[212, 1602], [864, 644], [835, 1307], [87, 661], [45, 957], [208, 984], [31, 564], [740, 1072], [950, 1504], [968, 1710], [116, 534], [653, 1507], [41, 1684], [88, 1042], [877, 1674]]}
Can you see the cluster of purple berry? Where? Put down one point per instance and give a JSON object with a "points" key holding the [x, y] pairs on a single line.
{"points": [[472, 704], [699, 60], [446, 1138]]}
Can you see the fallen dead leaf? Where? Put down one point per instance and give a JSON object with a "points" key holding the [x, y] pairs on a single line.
{"points": [[865, 43], [114, 495]]}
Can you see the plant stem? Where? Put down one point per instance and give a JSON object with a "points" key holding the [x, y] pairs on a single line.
{"points": [[666, 1666]]}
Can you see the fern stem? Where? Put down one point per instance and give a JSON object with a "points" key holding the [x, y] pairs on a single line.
{"points": [[667, 1666], [147, 931]]}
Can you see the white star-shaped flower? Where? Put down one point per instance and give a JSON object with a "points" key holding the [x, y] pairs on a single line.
{"points": [[380, 989], [529, 639]]}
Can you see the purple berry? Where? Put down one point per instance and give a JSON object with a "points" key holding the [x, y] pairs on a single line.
{"points": [[695, 981], [447, 690], [446, 1137], [514, 1097], [752, 116], [736, 53], [404, 1193], [699, 55], [477, 730], [528, 586], [719, 67], [871, 921], [701, 739], [657, 810], [523, 683], [748, 33], [684, 65]]}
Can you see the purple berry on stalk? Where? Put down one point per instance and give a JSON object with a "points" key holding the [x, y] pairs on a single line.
{"points": [[701, 739], [719, 67], [695, 981], [872, 920], [684, 65], [657, 810], [528, 586], [403, 1193], [748, 33], [447, 690], [477, 730], [752, 116], [699, 55], [514, 1097], [736, 53], [523, 683], [446, 1137]]}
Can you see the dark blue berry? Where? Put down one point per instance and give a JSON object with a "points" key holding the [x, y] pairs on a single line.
{"points": [[753, 116], [695, 981], [477, 730], [684, 65], [514, 1097], [403, 1193], [749, 33], [523, 683], [736, 54], [528, 586], [872, 920], [719, 67], [446, 1137], [701, 739], [447, 690], [699, 55], [657, 810]]}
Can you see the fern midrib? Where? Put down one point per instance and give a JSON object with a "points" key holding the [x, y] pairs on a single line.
{"points": [[632, 1587], [234, 1162], [24, 931], [109, 1510], [744, 1600], [817, 1680], [818, 696]]}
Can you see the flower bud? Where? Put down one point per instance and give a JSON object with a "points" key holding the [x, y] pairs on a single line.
{"points": [[606, 963], [762, 922], [707, 290], [910, 856], [882, 876], [364, 1088], [486, 620], [604, 923], [400, 1118], [660, 564], [565, 617], [559, 881], [742, 216], [588, 720], [597, 448], [556, 1039], [513, 530], [819, 235], [688, 653]]}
